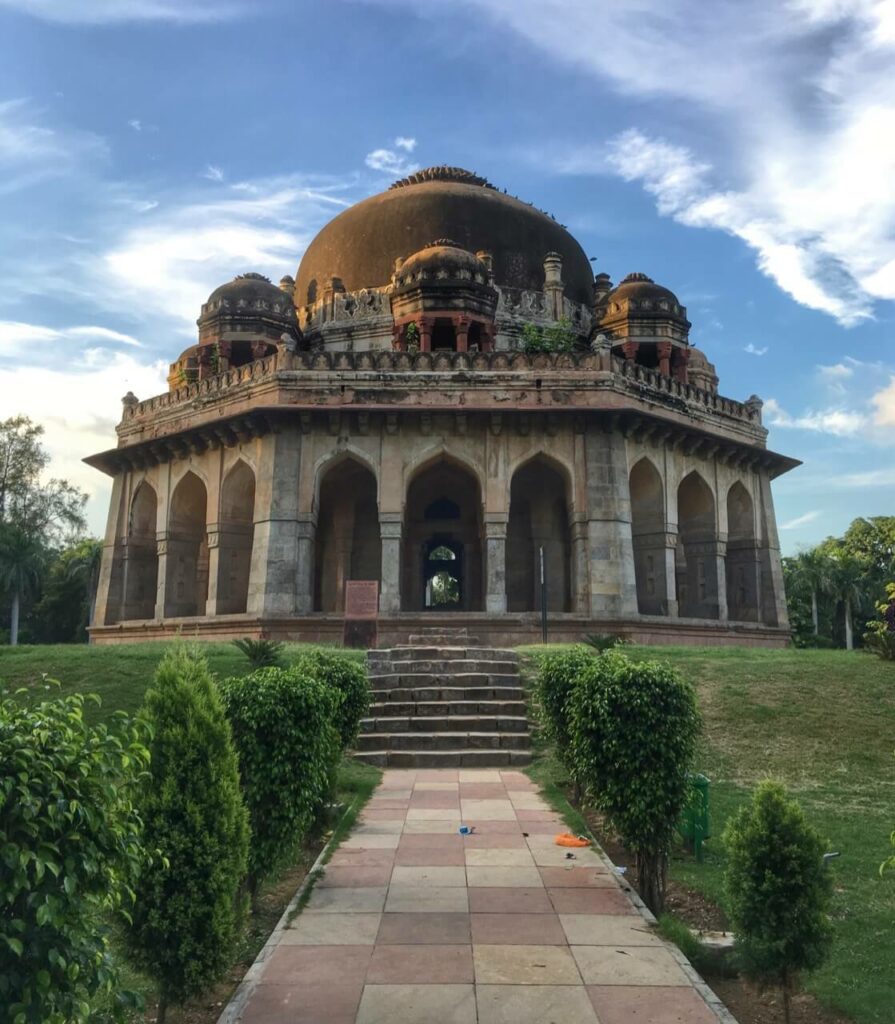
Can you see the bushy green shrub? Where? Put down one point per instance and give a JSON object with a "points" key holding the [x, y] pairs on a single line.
{"points": [[349, 678], [558, 674], [880, 635], [284, 729], [70, 849], [186, 919], [633, 729], [260, 653], [778, 889], [605, 641]]}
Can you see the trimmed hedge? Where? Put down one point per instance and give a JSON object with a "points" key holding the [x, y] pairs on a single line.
{"points": [[558, 674], [284, 730], [348, 678]]}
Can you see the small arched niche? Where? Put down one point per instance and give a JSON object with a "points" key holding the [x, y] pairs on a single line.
{"points": [[697, 550], [186, 577], [141, 555], [743, 569], [236, 529], [650, 539]]}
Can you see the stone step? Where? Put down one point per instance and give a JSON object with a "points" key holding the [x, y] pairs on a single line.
{"points": [[408, 680], [443, 741], [425, 694], [440, 708], [445, 758], [444, 723], [432, 653]]}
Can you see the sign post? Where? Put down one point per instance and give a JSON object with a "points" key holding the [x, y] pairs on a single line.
{"points": [[361, 613]]}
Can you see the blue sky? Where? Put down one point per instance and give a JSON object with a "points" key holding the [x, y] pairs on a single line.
{"points": [[741, 153]]}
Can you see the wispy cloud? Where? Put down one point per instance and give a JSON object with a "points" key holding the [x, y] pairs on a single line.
{"points": [[754, 351], [26, 341], [837, 422], [884, 404], [136, 124], [391, 161], [213, 173], [804, 520], [405, 143], [872, 478], [98, 12]]}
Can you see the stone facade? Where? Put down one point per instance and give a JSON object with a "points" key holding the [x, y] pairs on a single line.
{"points": [[395, 432]]}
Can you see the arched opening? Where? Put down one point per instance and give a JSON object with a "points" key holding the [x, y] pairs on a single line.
{"points": [[348, 538], [474, 338], [186, 574], [743, 573], [443, 334], [539, 518], [442, 568], [697, 550], [235, 535], [141, 555], [649, 538]]}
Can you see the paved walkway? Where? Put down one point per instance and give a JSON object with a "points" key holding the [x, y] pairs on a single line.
{"points": [[415, 924]]}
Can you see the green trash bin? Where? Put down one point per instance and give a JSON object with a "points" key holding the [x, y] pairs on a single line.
{"points": [[694, 820]]}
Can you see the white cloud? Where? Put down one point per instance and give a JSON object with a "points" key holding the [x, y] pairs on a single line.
{"points": [[405, 143], [837, 422], [838, 371], [786, 133], [753, 351], [213, 173], [872, 478], [794, 524], [98, 12], [21, 340], [884, 403], [136, 124], [390, 162]]}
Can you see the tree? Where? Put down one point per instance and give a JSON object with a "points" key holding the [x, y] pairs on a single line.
{"points": [[778, 889], [633, 728], [812, 571], [849, 583], [84, 564], [22, 558], [186, 917]]}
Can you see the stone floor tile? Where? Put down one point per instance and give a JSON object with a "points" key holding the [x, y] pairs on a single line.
{"points": [[524, 965], [383, 803], [451, 813], [512, 778], [495, 841], [536, 815], [433, 827], [356, 877], [608, 930], [417, 1004], [293, 1004], [423, 929], [346, 857], [437, 787], [367, 900], [591, 901], [482, 791], [332, 930], [525, 800], [492, 828], [577, 878], [366, 841], [393, 792], [558, 856], [421, 965], [434, 801], [397, 777], [437, 775], [415, 899], [509, 901], [517, 930], [431, 856], [429, 841], [545, 839], [322, 965], [386, 814], [499, 878], [534, 1004], [627, 965], [429, 876], [499, 857], [479, 775], [378, 828], [488, 810], [545, 828], [647, 1004]]}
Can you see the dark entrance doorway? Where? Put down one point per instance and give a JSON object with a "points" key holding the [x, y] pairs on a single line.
{"points": [[443, 575]]}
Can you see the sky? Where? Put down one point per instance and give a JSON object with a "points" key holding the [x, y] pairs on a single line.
{"points": [[742, 153]]}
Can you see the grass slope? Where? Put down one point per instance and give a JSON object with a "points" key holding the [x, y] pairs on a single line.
{"points": [[823, 722]]}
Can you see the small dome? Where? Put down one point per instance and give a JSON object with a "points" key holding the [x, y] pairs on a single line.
{"points": [[250, 295], [443, 259], [639, 286]]}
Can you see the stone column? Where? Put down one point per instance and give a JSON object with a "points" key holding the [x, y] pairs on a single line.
{"points": [[214, 562], [461, 333], [161, 589], [670, 555], [613, 589], [663, 350], [773, 596], [306, 535], [390, 532], [496, 566], [706, 579], [105, 597], [580, 588], [425, 326]]}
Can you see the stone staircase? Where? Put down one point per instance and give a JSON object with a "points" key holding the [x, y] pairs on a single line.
{"points": [[440, 701]]}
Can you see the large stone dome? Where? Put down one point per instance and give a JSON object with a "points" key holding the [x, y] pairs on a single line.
{"points": [[360, 246]]}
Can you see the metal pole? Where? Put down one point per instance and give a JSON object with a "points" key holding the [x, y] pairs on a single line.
{"points": [[543, 598]]}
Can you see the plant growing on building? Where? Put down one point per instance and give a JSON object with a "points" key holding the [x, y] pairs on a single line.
{"points": [[187, 916], [261, 653], [284, 729], [555, 337], [778, 889], [70, 849], [349, 679], [633, 728], [412, 336]]}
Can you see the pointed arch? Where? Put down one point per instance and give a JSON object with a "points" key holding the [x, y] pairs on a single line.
{"points": [[697, 551], [742, 558], [236, 527], [141, 554], [186, 570], [538, 519], [649, 537], [441, 453], [348, 544]]}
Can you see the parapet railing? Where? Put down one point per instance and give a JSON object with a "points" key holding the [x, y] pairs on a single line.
{"points": [[635, 379]]}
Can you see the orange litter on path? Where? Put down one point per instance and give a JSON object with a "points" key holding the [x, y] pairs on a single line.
{"points": [[567, 839]]}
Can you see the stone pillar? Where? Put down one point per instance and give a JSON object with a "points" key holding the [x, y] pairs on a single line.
{"points": [[461, 333], [105, 597], [743, 570], [580, 589], [706, 580], [670, 555], [214, 562], [496, 566], [629, 350], [553, 284], [425, 326], [613, 589], [773, 596], [162, 578], [663, 350], [306, 535], [390, 532]]}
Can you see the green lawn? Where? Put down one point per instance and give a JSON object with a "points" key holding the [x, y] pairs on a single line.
{"points": [[823, 722]]}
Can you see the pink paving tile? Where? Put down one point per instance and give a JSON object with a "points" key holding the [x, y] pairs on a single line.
{"points": [[492, 827], [357, 877], [543, 828], [324, 965], [486, 900], [350, 858], [550, 816], [590, 901], [430, 798], [386, 803], [386, 814], [430, 840], [649, 1004], [430, 856], [517, 930], [495, 841], [421, 965], [573, 878], [482, 791], [513, 780], [303, 1004], [423, 929], [437, 775]]}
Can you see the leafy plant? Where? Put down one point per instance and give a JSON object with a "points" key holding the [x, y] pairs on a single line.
{"points": [[778, 889], [284, 729], [70, 848], [605, 641], [880, 635], [261, 653], [633, 729], [349, 679], [558, 674], [187, 919], [556, 337]]}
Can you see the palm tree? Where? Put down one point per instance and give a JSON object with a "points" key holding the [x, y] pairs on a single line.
{"points": [[849, 580], [813, 573], [21, 562], [85, 561]]}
